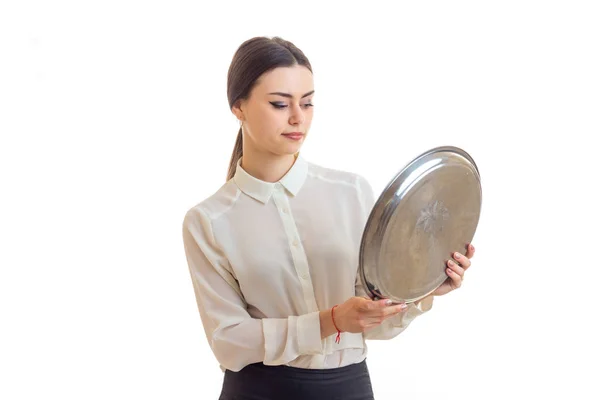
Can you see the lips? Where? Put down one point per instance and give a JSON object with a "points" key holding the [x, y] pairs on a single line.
{"points": [[294, 135]]}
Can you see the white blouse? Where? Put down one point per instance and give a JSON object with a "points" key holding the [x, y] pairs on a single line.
{"points": [[265, 258]]}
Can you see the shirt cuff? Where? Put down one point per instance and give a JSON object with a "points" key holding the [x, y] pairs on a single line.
{"points": [[309, 333], [424, 304]]}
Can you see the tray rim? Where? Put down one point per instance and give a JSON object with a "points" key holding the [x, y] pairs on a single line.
{"points": [[385, 192]]}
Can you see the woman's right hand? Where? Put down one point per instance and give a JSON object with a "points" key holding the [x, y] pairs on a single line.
{"points": [[359, 314]]}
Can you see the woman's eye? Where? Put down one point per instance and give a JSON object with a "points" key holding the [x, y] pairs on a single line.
{"points": [[280, 106]]}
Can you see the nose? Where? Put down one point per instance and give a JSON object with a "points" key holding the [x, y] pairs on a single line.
{"points": [[297, 115]]}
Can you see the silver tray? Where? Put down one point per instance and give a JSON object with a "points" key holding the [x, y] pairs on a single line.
{"points": [[429, 210]]}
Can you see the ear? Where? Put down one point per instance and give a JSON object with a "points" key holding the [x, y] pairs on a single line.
{"points": [[237, 111]]}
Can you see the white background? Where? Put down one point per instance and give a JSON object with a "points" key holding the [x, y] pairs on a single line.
{"points": [[114, 122]]}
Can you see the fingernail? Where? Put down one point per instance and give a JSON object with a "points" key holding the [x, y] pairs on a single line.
{"points": [[403, 306], [471, 247], [456, 255], [388, 302]]}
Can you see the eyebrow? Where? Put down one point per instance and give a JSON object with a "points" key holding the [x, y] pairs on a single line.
{"points": [[290, 96]]}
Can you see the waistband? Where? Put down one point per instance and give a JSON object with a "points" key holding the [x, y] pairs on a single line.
{"points": [[295, 371]]}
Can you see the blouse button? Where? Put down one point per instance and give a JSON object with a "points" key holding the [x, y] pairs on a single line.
{"points": [[295, 243]]}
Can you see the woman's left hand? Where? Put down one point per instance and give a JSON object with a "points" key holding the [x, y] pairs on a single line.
{"points": [[456, 271]]}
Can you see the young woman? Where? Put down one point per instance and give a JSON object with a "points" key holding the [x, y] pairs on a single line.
{"points": [[273, 254]]}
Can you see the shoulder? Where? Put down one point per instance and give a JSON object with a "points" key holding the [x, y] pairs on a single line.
{"points": [[349, 185], [337, 177], [215, 205]]}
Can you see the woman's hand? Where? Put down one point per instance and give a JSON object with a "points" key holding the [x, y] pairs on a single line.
{"points": [[456, 271], [358, 314]]}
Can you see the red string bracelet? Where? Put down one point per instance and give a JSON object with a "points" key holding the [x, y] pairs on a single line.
{"points": [[337, 338]]}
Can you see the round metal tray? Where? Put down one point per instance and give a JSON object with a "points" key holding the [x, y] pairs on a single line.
{"points": [[429, 210]]}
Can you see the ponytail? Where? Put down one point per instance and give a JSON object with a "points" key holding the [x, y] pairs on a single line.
{"points": [[235, 155]]}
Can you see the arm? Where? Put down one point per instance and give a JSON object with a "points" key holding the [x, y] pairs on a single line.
{"points": [[234, 336]]}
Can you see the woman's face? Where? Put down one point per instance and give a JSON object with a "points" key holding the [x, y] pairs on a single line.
{"points": [[278, 113]]}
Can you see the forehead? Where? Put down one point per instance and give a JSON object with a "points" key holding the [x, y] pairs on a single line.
{"points": [[296, 80]]}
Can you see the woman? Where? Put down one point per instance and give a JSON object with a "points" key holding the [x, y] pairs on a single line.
{"points": [[273, 254]]}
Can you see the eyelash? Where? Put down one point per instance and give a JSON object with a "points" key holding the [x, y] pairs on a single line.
{"points": [[282, 106]]}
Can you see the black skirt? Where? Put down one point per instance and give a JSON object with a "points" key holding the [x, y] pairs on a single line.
{"points": [[262, 382]]}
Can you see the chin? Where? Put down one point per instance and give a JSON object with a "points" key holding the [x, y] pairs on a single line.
{"points": [[288, 147], [288, 150], [294, 149]]}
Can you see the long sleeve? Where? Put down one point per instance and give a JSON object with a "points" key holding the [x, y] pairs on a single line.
{"points": [[391, 327], [234, 336]]}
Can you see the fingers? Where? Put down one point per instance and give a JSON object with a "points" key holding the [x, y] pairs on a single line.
{"points": [[383, 309], [457, 269], [470, 251], [456, 274], [393, 310], [384, 303], [373, 313], [457, 266], [378, 305], [385, 313], [390, 311], [462, 260], [369, 305]]}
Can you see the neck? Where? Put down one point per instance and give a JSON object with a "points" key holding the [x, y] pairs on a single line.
{"points": [[267, 167]]}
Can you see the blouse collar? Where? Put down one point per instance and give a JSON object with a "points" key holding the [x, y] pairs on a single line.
{"points": [[260, 190]]}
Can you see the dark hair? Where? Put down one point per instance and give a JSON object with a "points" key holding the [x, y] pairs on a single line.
{"points": [[252, 59]]}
